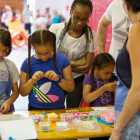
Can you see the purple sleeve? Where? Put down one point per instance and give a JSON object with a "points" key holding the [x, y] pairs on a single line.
{"points": [[87, 80]]}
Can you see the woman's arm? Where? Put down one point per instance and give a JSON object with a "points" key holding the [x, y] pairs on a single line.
{"points": [[79, 62], [132, 103], [102, 33], [91, 96], [85, 68], [67, 83]]}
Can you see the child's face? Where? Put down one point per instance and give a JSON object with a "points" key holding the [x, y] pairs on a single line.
{"points": [[44, 52], [105, 73], [3, 50]]}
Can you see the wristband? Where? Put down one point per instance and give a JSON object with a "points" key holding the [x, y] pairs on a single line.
{"points": [[59, 80]]}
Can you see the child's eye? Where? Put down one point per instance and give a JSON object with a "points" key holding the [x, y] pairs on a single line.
{"points": [[106, 73]]}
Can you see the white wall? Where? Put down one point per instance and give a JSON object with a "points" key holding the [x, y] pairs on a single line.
{"points": [[59, 5]]}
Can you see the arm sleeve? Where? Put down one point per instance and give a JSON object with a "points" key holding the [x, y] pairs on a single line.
{"points": [[66, 61], [53, 29], [94, 44], [109, 11], [87, 80], [24, 66], [14, 73]]}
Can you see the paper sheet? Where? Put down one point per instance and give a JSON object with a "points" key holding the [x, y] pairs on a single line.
{"points": [[18, 129]]}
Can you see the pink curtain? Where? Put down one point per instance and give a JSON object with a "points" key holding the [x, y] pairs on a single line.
{"points": [[99, 7]]}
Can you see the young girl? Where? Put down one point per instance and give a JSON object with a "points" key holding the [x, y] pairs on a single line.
{"points": [[9, 75], [45, 75], [98, 87], [78, 42]]}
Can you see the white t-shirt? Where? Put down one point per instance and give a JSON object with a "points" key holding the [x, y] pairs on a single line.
{"points": [[4, 74], [41, 21], [9, 16], [3, 18], [73, 48], [27, 15], [18, 16], [120, 26]]}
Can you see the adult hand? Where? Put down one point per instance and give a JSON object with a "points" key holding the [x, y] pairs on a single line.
{"points": [[116, 135], [51, 75]]}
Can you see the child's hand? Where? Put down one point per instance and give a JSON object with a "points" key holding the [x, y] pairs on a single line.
{"points": [[110, 87], [37, 76], [116, 82], [5, 107], [51, 75]]}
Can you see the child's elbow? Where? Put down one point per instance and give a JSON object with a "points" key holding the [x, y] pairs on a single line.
{"points": [[86, 100], [22, 93]]}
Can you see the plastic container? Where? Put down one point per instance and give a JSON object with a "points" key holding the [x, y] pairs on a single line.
{"points": [[107, 117], [76, 116], [38, 118], [85, 116], [93, 115], [44, 126], [52, 117], [66, 117]]}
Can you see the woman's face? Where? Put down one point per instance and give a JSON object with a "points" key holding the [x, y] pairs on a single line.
{"points": [[80, 16]]}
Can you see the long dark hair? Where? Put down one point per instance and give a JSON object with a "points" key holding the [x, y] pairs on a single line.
{"points": [[5, 39], [87, 30], [41, 37], [135, 4], [101, 61]]}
